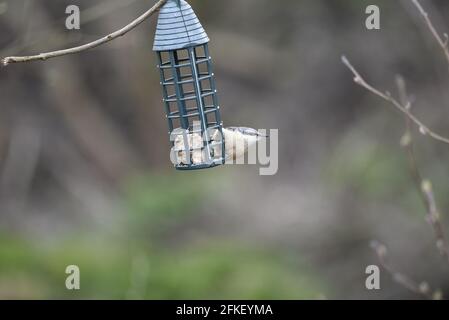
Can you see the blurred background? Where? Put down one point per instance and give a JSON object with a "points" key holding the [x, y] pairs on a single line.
{"points": [[85, 176]]}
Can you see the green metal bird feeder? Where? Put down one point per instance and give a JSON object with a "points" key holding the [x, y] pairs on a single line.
{"points": [[188, 88]]}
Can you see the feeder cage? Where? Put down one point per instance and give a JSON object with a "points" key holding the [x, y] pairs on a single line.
{"points": [[188, 88]]}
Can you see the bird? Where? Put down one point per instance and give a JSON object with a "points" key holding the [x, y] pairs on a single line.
{"points": [[238, 140]]}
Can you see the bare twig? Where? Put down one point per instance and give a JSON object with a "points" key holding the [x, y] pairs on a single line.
{"points": [[48, 55], [423, 289], [423, 186], [89, 15], [407, 140], [442, 43], [425, 130], [434, 219]]}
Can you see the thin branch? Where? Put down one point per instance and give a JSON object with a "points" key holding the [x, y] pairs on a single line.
{"points": [[90, 14], [434, 219], [53, 54], [424, 187], [423, 289], [407, 140], [425, 130], [442, 43]]}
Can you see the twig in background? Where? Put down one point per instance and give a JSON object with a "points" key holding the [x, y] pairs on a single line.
{"points": [[407, 140], [89, 15], [443, 43], [423, 289], [53, 54], [425, 130], [434, 219], [423, 186]]}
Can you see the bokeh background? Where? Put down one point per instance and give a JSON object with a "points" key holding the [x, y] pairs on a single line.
{"points": [[85, 176]]}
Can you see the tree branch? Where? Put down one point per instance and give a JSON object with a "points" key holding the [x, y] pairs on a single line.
{"points": [[423, 289], [423, 186], [425, 130], [434, 219], [53, 54], [443, 43], [407, 140]]}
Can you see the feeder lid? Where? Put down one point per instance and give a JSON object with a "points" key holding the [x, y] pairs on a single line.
{"points": [[178, 27]]}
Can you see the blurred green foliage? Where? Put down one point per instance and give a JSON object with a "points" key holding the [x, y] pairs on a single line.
{"points": [[132, 262], [117, 271], [170, 195], [155, 203]]}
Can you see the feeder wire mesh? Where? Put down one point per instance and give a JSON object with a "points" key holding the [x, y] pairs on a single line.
{"points": [[188, 88]]}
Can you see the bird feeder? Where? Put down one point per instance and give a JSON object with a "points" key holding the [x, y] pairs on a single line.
{"points": [[188, 88]]}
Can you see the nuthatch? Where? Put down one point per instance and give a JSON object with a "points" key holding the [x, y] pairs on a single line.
{"points": [[238, 140]]}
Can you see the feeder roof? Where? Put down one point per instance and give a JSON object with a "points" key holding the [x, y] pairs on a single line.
{"points": [[178, 27]]}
